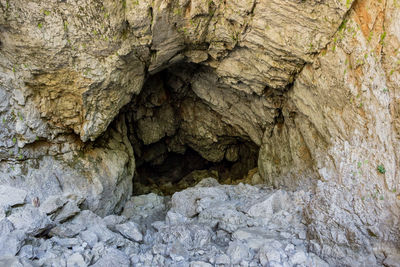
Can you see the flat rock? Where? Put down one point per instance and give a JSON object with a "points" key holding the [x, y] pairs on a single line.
{"points": [[6, 227], [10, 261], [11, 243], [31, 220], [112, 220], [68, 211], [76, 260], [11, 196], [52, 204], [112, 257], [130, 230]]}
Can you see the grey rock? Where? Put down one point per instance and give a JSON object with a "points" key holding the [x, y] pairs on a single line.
{"points": [[6, 227], [52, 204], [392, 261], [11, 196], [274, 72], [104, 234], [67, 212], [298, 258], [130, 230], [200, 264], [175, 218], [112, 257], [178, 252], [76, 260], [70, 230], [89, 237], [184, 202], [11, 261], [138, 208], [222, 259], [237, 252], [11, 243], [112, 220], [26, 252], [66, 242], [31, 220], [269, 254]]}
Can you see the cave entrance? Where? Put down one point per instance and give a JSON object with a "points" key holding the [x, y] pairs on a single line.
{"points": [[179, 140]]}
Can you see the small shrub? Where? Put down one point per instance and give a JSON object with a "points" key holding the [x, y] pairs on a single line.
{"points": [[381, 169]]}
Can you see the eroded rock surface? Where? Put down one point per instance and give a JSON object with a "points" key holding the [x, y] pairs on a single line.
{"points": [[313, 84], [80, 62], [206, 225]]}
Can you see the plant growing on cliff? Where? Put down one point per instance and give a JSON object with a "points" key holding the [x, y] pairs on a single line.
{"points": [[382, 38], [381, 169]]}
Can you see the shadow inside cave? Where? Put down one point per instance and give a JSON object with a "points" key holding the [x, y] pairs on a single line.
{"points": [[178, 139]]}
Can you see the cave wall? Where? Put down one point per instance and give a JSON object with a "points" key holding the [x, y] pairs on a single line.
{"points": [[315, 84], [340, 127]]}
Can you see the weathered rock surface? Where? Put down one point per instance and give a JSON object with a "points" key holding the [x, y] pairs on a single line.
{"points": [[87, 85], [176, 237], [80, 62], [226, 225]]}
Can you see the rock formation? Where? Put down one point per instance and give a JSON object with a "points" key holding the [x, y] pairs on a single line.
{"points": [[102, 99]]}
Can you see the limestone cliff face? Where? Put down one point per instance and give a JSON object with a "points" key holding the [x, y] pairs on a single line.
{"points": [[314, 84]]}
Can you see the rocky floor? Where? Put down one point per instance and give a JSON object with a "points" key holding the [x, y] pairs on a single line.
{"points": [[206, 225]]}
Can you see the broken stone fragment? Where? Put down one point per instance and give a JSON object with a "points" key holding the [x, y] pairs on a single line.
{"points": [[112, 257], [11, 261], [30, 220], [6, 227], [53, 204], [130, 230], [11, 196], [12, 242], [185, 202], [68, 211], [113, 220]]}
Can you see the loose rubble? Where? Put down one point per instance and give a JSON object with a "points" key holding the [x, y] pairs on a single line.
{"points": [[206, 225]]}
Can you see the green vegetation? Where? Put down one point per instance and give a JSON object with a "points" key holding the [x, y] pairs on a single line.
{"points": [[381, 169], [370, 36], [40, 25], [383, 35]]}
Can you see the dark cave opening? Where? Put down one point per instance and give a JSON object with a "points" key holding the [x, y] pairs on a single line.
{"points": [[179, 140], [178, 171]]}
